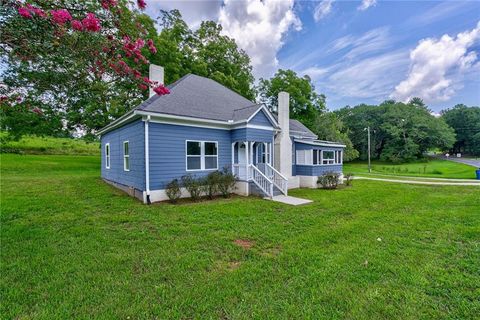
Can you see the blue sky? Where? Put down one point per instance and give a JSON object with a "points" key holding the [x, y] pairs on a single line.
{"points": [[357, 51]]}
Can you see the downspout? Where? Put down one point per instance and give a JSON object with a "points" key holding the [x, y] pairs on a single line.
{"points": [[147, 161]]}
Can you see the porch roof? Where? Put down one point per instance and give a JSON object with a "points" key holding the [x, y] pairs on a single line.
{"points": [[321, 143]]}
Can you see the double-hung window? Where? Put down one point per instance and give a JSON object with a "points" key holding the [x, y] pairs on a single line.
{"points": [[107, 155], [126, 156], [338, 157], [202, 155], [328, 157]]}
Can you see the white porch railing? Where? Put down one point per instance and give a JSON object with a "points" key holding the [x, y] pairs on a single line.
{"points": [[261, 180], [240, 171], [280, 181]]}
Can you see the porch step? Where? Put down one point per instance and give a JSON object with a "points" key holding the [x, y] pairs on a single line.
{"points": [[255, 190]]}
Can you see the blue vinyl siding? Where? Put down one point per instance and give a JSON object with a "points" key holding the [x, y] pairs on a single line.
{"points": [[317, 170], [135, 134], [260, 119], [168, 155], [249, 134]]}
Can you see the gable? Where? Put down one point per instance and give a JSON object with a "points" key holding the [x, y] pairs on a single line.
{"points": [[261, 119]]}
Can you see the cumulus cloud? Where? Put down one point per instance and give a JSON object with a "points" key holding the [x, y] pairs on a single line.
{"points": [[322, 9], [259, 28], [438, 66], [366, 4]]}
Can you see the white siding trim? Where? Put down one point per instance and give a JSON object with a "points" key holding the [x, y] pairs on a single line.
{"points": [[202, 156], [125, 156], [107, 155]]}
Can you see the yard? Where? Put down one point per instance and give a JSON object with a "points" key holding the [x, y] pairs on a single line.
{"points": [[74, 247], [433, 168]]}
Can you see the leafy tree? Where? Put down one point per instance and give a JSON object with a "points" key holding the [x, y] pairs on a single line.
{"points": [[328, 126], [401, 132], [79, 61], [205, 52], [466, 123], [305, 103]]}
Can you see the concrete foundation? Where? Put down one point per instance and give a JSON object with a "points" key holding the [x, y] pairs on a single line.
{"points": [[308, 182]]}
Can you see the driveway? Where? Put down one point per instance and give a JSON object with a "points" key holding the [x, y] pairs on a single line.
{"points": [[469, 161]]}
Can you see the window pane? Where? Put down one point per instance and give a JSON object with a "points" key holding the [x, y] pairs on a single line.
{"points": [[125, 148], [210, 162], [315, 156], [210, 149], [127, 163], [193, 163], [107, 150], [328, 155], [193, 148]]}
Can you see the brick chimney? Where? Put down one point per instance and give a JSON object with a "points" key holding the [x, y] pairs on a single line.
{"points": [[155, 74], [283, 143]]}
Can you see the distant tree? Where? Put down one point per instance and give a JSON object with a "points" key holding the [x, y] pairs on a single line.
{"points": [[466, 123], [305, 102], [400, 132], [328, 126]]}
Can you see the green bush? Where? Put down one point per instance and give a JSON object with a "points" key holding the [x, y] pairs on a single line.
{"points": [[173, 190], [226, 182], [348, 179], [329, 180], [210, 184], [193, 186]]}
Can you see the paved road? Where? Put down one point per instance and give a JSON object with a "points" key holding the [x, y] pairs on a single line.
{"points": [[470, 162]]}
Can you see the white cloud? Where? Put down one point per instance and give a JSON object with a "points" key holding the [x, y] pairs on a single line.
{"points": [[315, 72], [259, 28], [438, 67], [371, 41], [366, 4], [193, 11], [322, 9], [369, 78]]}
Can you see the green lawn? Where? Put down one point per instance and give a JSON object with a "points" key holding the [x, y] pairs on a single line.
{"points": [[74, 247], [434, 168], [50, 145]]}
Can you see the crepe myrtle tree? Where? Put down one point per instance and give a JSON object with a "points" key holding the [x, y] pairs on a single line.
{"points": [[83, 61]]}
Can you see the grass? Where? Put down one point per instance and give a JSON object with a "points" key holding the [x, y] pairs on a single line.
{"points": [[51, 146], [433, 168], [74, 247]]}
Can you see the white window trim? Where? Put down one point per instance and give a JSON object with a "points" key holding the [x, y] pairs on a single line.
{"points": [[107, 156], [305, 157], [202, 156], [126, 156]]}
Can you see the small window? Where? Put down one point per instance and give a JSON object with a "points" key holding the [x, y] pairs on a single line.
{"points": [[107, 155], [316, 157], [304, 157], [328, 157], [202, 155], [338, 157], [126, 157]]}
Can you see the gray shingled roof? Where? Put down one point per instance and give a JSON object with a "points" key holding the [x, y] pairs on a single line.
{"points": [[199, 97], [297, 126]]}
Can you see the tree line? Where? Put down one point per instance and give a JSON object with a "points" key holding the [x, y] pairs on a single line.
{"points": [[62, 81]]}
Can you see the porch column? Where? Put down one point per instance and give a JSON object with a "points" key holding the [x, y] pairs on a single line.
{"points": [[251, 152], [247, 169], [233, 156]]}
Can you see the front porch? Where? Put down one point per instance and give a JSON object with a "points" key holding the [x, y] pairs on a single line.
{"points": [[252, 161]]}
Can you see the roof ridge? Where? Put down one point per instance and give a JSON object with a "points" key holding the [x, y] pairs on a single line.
{"points": [[253, 105]]}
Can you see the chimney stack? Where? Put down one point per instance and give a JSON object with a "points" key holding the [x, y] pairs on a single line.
{"points": [[155, 74], [283, 143]]}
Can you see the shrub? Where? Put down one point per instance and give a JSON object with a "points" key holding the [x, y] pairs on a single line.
{"points": [[193, 186], [211, 183], [226, 182], [348, 179], [329, 180], [173, 190]]}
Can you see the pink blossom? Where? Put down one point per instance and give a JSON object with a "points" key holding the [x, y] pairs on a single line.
{"points": [[77, 25], [161, 90], [24, 12], [39, 12], [151, 47], [141, 4], [37, 110], [109, 3], [143, 87], [91, 23], [60, 16], [140, 43]]}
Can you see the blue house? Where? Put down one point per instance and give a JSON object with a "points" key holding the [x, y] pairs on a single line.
{"points": [[202, 126]]}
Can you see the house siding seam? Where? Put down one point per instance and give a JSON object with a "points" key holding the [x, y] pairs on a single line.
{"points": [[250, 134], [260, 119], [135, 135], [168, 154]]}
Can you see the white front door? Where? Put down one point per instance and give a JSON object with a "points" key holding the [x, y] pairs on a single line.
{"points": [[242, 161]]}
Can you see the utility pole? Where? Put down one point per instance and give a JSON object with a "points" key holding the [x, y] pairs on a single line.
{"points": [[369, 162]]}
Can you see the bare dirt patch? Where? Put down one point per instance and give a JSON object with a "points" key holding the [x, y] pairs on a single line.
{"points": [[245, 244]]}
